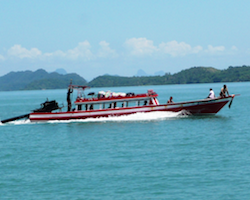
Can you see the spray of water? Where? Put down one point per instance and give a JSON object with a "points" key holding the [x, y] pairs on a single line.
{"points": [[150, 116]]}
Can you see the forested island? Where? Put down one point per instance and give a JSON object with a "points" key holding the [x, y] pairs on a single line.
{"points": [[41, 79], [187, 76]]}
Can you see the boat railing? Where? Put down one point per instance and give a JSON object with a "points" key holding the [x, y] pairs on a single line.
{"points": [[204, 100], [111, 97]]}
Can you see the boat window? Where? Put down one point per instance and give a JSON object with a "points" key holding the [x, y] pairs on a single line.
{"points": [[133, 103], [119, 105], [97, 106], [79, 107], [104, 105], [112, 105]]}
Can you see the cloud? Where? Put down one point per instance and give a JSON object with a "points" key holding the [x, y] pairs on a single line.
{"points": [[178, 49], [234, 48], [1, 57], [136, 47], [106, 51], [57, 53], [81, 51], [144, 47], [140, 46], [20, 52], [215, 50]]}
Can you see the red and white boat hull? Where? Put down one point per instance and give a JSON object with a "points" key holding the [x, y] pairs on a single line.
{"points": [[207, 106]]}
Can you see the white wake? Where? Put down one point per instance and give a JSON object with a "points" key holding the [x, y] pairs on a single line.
{"points": [[150, 116]]}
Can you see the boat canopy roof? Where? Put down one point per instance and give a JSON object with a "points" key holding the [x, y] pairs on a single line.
{"points": [[83, 87], [108, 96]]}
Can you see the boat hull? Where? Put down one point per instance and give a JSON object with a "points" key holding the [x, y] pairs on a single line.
{"points": [[206, 106]]}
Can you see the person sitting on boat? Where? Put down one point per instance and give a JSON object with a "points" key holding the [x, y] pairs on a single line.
{"points": [[170, 100], [211, 94], [224, 91]]}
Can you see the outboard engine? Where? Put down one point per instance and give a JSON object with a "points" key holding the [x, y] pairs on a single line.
{"points": [[48, 106]]}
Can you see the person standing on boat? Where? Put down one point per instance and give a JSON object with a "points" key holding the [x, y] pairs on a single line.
{"points": [[170, 100], [211, 94], [70, 90], [224, 91]]}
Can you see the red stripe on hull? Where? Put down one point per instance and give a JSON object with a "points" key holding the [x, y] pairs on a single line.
{"points": [[202, 109]]}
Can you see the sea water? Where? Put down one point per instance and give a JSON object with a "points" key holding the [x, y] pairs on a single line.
{"points": [[158, 155]]}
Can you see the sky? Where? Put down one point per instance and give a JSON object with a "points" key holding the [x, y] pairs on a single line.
{"points": [[120, 37]]}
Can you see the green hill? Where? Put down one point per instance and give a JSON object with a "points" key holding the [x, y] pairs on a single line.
{"points": [[192, 75], [40, 79]]}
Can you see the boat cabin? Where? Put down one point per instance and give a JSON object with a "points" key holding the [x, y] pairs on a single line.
{"points": [[112, 100]]}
